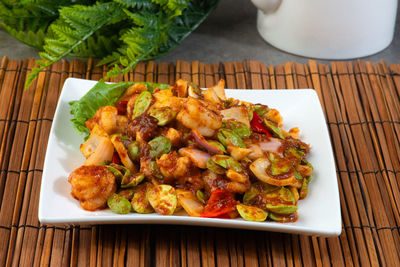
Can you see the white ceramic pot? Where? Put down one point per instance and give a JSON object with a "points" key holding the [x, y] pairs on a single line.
{"points": [[329, 29]]}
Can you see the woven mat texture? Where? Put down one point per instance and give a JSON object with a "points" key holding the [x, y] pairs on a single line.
{"points": [[362, 108]]}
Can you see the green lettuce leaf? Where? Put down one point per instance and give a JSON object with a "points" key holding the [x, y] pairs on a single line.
{"points": [[102, 94]]}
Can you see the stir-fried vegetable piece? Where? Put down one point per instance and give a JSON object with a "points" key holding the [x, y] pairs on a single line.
{"points": [[162, 198], [127, 193], [164, 115], [198, 157], [226, 162], [218, 146], [226, 135], [259, 168], [281, 202], [221, 204], [258, 189], [115, 159], [298, 176], [261, 110], [121, 173], [200, 196], [258, 126], [189, 202], [122, 152], [238, 128], [281, 208], [155, 170], [309, 178], [211, 146], [159, 146], [133, 150], [250, 194], [142, 103], [274, 129], [194, 90], [238, 113], [282, 218], [119, 204], [293, 153], [140, 202], [286, 195], [132, 180], [251, 213], [279, 165], [117, 171], [98, 148], [214, 167], [304, 189]]}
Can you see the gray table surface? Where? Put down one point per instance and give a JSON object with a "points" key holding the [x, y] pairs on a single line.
{"points": [[228, 34]]}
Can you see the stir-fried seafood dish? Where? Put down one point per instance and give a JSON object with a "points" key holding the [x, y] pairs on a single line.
{"points": [[185, 148]]}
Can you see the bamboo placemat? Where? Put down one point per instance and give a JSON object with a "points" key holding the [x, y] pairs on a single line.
{"points": [[362, 107]]}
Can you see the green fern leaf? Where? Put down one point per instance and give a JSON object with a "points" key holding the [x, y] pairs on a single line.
{"points": [[177, 6], [96, 46], [85, 20], [195, 13], [167, 31], [122, 32], [142, 18], [140, 4], [31, 38]]}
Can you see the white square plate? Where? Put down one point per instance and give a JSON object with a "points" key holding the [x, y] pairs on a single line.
{"points": [[318, 214]]}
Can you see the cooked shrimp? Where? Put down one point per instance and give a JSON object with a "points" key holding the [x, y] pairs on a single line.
{"points": [[275, 116], [137, 88], [195, 115], [237, 187], [106, 118], [92, 185], [174, 135], [122, 122], [165, 98], [173, 166]]}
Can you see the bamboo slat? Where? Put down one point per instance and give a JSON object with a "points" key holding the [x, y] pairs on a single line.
{"points": [[361, 103]]}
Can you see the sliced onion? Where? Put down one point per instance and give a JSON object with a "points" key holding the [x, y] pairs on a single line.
{"points": [[259, 167], [198, 157], [219, 89], [203, 143], [237, 113], [272, 145], [103, 153], [189, 202]]}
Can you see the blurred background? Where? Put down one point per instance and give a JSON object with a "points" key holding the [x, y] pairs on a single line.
{"points": [[228, 34]]}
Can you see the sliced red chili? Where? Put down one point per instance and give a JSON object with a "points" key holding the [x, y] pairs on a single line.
{"points": [[220, 205], [258, 126], [116, 158], [121, 107]]}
